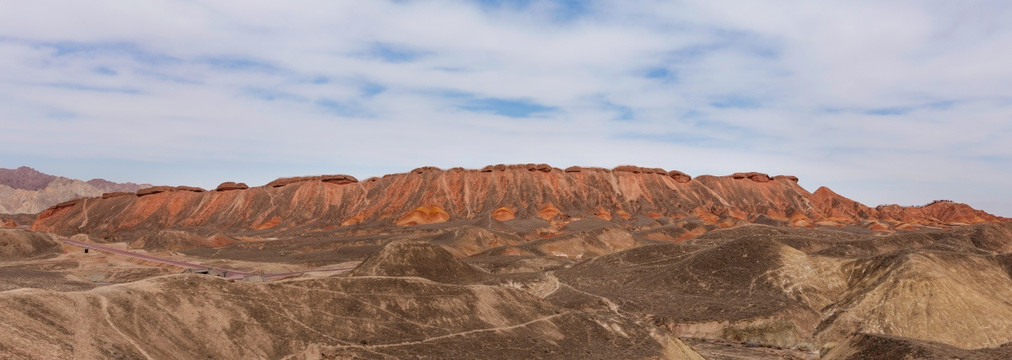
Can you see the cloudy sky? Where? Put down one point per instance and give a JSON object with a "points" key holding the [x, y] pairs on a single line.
{"points": [[883, 101]]}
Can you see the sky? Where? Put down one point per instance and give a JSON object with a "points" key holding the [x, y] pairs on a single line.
{"points": [[882, 101]]}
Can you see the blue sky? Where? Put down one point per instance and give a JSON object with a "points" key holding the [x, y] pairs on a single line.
{"points": [[883, 101]]}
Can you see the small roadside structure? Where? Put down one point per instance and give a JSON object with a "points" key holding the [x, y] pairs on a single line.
{"points": [[207, 271]]}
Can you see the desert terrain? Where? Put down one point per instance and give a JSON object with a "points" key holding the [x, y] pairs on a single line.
{"points": [[507, 261]]}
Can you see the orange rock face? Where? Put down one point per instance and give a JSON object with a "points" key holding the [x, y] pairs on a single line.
{"points": [[189, 188], [153, 190], [679, 176], [504, 192], [945, 212], [424, 215], [548, 212], [503, 214], [228, 185], [838, 208], [339, 179], [116, 194]]}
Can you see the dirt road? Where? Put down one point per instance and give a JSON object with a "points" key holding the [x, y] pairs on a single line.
{"points": [[225, 273]]}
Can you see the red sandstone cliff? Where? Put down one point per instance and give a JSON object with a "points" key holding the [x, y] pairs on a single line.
{"points": [[496, 193]]}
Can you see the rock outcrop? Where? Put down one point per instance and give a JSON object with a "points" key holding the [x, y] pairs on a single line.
{"points": [[754, 176], [337, 179], [229, 185], [498, 193], [679, 176], [116, 194], [154, 190], [189, 188]]}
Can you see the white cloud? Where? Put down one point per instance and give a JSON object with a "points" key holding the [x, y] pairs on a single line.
{"points": [[858, 95]]}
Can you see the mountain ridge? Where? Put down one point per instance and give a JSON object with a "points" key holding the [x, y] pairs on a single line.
{"points": [[28, 191], [551, 197]]}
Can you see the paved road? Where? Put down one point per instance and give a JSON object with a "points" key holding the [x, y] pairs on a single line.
{"points": [[226, 273]]}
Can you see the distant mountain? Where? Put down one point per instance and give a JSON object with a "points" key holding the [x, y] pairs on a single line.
{"points": [[25, 178], [27, 191]]}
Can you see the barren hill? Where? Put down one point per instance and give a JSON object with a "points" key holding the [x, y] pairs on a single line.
{"points": [[27, 191], [510, 261], [807, 288], [870, 346], [362, 317]]}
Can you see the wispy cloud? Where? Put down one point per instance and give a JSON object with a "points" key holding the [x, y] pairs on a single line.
{"points": [[858, 95]]}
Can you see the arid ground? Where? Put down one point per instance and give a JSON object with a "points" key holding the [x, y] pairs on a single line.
{"points": [[510, 261]]}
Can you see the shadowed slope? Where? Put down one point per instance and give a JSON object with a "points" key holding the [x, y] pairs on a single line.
{"points": [[804, 287], [870, 346], [752, 290]]}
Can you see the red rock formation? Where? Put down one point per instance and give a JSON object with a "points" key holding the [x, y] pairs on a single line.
{"points": [[838, 208], [758, 177], [279, 182], [786, 177], [752, 175], [153, 190], [188, 188], [500, 192], [424, 215], [424, 169], [938, 212], [8, 223], [548, 212], [228, 185], [339, 179], [679, 176], [627, 168], [504, 214], [116, 194]]}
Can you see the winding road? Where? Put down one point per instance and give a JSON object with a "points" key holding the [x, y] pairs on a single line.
{"points": [[225, 273]]}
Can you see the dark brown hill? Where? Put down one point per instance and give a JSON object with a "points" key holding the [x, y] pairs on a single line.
{"points": [[25, 178], [872, 346], [637, 197]]}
